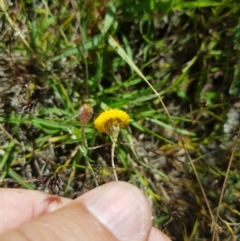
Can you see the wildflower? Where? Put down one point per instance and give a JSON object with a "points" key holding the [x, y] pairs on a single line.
{"points": [[111, 120]]}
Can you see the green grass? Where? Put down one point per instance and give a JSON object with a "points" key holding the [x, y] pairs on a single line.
{"points": [[172, 65]]}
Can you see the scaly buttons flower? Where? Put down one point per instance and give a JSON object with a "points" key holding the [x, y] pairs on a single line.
{"points": [[107, 121]]}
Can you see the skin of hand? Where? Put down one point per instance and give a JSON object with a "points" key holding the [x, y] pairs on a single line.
{"points": [[114, 211]]}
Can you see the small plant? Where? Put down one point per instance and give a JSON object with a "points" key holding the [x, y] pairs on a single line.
{"points": [[52, 181], [111, 122]]}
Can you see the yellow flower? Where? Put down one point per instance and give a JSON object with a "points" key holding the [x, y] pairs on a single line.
{"points": [[109, 119]]}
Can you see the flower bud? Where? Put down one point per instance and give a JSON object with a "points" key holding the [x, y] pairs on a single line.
{"points": [[86, 112]]}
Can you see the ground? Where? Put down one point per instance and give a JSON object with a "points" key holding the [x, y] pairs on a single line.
{"points": [[172, 66]]}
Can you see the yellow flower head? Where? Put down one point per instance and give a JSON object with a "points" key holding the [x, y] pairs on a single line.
{"points": [[109, 119]]}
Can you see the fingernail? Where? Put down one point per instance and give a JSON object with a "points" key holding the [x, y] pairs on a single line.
{"points": [[122, 208]]}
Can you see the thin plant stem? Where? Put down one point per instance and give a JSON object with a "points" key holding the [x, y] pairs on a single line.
{"points": [[112, 158], [86, 147], [9, 135], [92, 171], [224, 186], [86, 78], [82, 136], [94, 147]]}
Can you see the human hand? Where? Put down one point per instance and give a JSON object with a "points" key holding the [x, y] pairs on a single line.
{"points": [[114, 211]]}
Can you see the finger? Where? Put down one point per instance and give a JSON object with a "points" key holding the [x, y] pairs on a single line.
{"points": [[157, 235], [18, 206], [115, 211], [124, 210]]}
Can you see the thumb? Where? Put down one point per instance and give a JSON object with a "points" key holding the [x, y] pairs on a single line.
{"points": [[115, 211]]}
